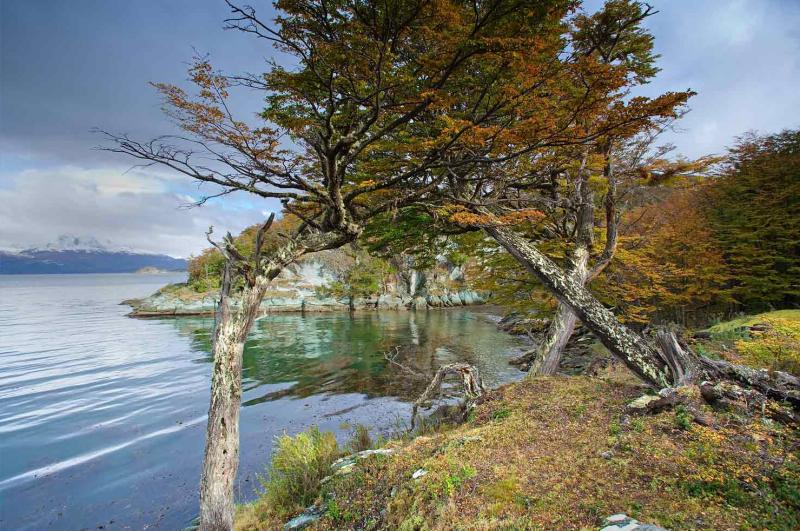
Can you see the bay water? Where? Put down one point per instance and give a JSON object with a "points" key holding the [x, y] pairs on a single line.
{"points": [[102, 417]]}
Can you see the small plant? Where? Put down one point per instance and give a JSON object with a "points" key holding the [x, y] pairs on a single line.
{"points": [[298, 465], [683, 418], [333, 510], [360, 439], [454, 481], [500, 414]]}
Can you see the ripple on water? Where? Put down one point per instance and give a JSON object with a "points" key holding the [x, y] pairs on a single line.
{"points": [[102, 416]]}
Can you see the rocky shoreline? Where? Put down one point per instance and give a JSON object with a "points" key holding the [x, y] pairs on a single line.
{"points": [[174, 302]]}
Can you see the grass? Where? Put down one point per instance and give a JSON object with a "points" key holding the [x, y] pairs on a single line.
{"points": [[561, 453], [298, 465], [530, 458], [776, 348], [749, 320]]}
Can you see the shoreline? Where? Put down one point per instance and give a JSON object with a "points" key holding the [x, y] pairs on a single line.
{"points": [[172, 302]]}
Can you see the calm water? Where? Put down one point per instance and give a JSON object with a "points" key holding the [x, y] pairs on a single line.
{"points": [[102, 417]]}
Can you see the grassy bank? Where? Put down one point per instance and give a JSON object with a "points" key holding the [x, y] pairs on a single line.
{"points": [[563, 453], [770, 340]]}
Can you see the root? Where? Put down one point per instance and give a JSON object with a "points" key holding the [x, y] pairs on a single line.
{"points": [[470, 379]]}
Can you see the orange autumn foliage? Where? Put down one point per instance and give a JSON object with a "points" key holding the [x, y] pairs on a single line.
{"points": [[668, 265], [460, 215]]}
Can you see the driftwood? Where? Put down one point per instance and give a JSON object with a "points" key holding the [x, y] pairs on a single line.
{"points": [[472, 384], [470, 379]]}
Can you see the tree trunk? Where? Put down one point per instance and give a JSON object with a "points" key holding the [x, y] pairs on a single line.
{"points": [[221, 458], [639, 355], [671, 365], [232, 325], [548, 354]]}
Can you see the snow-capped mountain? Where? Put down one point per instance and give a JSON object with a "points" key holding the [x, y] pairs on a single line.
{"points": [[73, 254]]}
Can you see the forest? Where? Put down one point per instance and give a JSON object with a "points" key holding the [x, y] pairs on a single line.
{"points": [[511, 138]]}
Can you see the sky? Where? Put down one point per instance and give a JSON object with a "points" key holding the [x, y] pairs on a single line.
{"points": [[68, 66]]}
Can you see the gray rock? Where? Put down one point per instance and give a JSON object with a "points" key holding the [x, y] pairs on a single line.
{"points": [[390, 302], [306, 518], [640, 404], [418, 473], [351, 460], [434, 301], [623, 522]]}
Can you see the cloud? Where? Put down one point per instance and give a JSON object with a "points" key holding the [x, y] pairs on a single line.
{"points": [[743, 59], [133, 210]]}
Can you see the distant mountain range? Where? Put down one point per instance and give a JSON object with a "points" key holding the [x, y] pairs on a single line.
{"points": [[83, 255]]}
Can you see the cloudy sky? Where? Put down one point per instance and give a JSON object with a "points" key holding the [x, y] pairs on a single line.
{"points": [[69, 66]]}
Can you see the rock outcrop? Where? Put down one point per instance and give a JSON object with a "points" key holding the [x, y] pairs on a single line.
{"points": [[301, 289]]}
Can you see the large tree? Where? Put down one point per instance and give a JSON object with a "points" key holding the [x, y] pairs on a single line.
{"points": [[488, 196], [359, 125]]}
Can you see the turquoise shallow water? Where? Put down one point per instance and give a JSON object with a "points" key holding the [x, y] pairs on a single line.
{"points": [[102, 417]]}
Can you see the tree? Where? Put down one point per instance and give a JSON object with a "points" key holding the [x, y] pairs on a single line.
{"points": [[754, 212], [487, 196], [610, 55], [668, 266], [359, 127]]}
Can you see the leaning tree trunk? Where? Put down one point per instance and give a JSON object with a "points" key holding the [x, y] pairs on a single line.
{"points": [[637, 353], [670, 365]]}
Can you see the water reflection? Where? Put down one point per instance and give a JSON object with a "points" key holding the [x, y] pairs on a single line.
{"points": [[102, 417], [342, 353]]}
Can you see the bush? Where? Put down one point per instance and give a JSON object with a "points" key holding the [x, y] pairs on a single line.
{"points": [[360, 439], [298, 465]]}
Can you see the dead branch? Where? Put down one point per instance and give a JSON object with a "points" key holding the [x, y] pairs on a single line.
{"points": [[470, 379]]}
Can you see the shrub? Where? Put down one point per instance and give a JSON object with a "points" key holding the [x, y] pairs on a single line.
{"points": [[360, 439], [298, 465]]}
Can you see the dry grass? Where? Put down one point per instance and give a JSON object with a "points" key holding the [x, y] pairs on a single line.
{"points": [[538, 465]]}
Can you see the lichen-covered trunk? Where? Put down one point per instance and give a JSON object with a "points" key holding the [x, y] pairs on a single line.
{"points": [[548, 355], [550, 351], [221, 458], [222, 440], [232, 325], [639, 355]]}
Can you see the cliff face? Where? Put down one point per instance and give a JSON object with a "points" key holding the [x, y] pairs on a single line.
{"points": [[300, 288]]}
